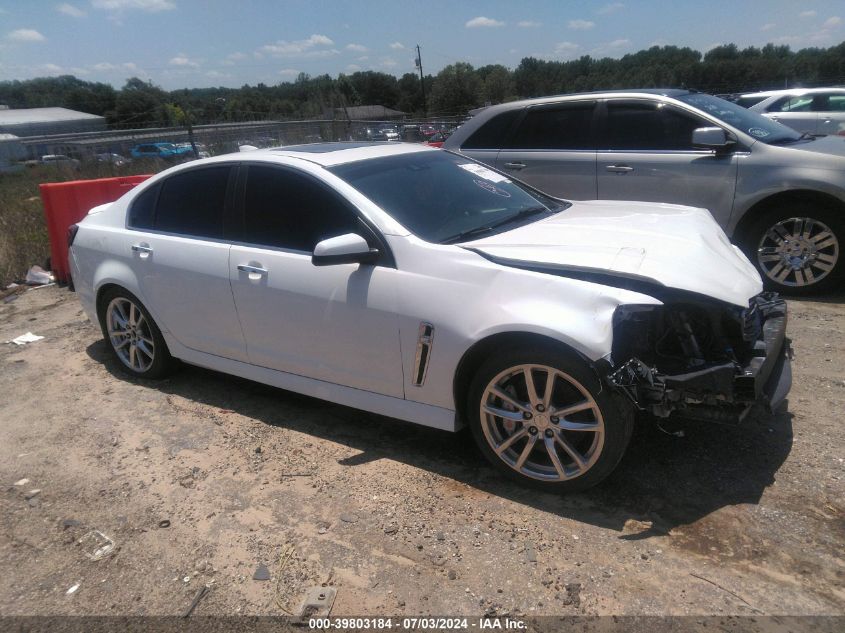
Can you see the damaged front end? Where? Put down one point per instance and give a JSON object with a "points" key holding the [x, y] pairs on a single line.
{"points": [[704, 358]]}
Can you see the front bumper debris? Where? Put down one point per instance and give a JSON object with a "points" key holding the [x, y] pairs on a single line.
{"points": [[723, 392]]}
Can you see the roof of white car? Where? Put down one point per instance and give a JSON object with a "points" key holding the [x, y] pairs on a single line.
{"points": [[792, 91], [330, 154]]}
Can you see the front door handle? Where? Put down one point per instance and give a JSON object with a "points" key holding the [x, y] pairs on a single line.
{"points": [[619, 169], [516, 166], [252, 270], [142, 248]]}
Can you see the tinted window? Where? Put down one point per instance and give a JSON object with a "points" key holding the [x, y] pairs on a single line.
{"points": [[648, 126], [561, 127], [286, 209], [836, 103], [191, 203], [141, 213], [493, 134]]}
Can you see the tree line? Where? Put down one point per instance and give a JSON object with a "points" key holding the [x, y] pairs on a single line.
{"points": [[453, 91]]}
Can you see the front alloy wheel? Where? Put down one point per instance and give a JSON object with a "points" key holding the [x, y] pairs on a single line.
{"points": [[541, 417]]}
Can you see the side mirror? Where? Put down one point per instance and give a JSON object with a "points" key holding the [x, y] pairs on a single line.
{"points": [[711, 138], [344, 249]]}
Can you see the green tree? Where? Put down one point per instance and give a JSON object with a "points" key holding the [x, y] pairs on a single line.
{"points": [[456, 89]]}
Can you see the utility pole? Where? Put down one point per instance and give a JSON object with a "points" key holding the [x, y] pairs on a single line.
{"points": [[418, 62]]}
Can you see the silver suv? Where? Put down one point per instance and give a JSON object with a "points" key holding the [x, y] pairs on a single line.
{"points": [[779, 194]]}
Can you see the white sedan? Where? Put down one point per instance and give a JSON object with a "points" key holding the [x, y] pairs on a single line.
{"points": [[419, 284]]}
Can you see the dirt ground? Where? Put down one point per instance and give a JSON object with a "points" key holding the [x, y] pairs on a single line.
{"points": [[398, 519]]}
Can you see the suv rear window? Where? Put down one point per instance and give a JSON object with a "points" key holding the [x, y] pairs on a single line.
{"points": [[493, 134]]}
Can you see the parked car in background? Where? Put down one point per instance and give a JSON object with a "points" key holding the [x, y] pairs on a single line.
{"points": [[748, 99], [780, 195], [818, 111], [166, 151], [420, 284], [114, 159], [59, 160]]}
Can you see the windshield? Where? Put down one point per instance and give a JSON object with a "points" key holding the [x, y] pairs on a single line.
{"points": [[753, 124], [440, 196]]}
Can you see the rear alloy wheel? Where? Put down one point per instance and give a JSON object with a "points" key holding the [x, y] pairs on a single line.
{"points": [[133, 336], [542, 419], [799, 253]]}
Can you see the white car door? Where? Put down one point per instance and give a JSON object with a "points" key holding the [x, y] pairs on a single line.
{"points": [[181, 261], [334, 323], [796, 111], [831, 114]]}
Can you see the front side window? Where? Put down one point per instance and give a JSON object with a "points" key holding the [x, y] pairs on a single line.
{"points": [[561, 127], [286, 209], [192, 202], [648, 126], [443, 197]]}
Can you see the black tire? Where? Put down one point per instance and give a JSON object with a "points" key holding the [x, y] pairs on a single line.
{"points": [[615, 414], [162, 363], [759, 242]]}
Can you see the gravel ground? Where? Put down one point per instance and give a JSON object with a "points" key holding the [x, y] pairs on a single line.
{"points": [[202, 477]]}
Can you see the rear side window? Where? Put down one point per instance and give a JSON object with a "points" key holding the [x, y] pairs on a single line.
{"points": [[142, 211], [286, 209], [564, 126], [192, 202], [493, 134], [649, 126]]}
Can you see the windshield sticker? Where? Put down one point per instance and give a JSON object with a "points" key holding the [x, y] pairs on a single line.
{"points": [[489, 186], [758, 132], [483, 172]]}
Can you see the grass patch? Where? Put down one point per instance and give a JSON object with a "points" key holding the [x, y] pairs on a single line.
{"points": [[23, 231]]}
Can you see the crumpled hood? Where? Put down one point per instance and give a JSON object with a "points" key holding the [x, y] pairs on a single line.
{"points": [[676, 246]]}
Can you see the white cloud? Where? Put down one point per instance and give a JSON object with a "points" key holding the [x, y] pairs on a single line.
{"points": [[26, 35], [482, 22], [288, 72], [580, 25], [353, 68], [129, 66], [529, 24], [832, 22], [356, 48], [216, 74], [76, 70], [388, 62], [566, 49], [236, 56], [183, 60], [295, 48], [807, 14], [397, 46], [52, 69], [71, 10], [613, 7], [768, 27], [151, 6], [104, 66], [618, 43]]}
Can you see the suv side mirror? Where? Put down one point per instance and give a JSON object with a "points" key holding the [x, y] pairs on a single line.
{"points": [[711, 138], [344, 249]]}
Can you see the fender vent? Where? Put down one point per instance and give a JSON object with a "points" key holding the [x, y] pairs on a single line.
{"points": [[424, 343]]}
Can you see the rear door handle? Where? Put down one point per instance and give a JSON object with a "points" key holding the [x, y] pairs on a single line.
{"points": [[514, 166], [619, 169], [144, 251], [252, 270]]}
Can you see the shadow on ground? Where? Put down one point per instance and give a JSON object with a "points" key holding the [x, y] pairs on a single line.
{"points": [[663, 478]]}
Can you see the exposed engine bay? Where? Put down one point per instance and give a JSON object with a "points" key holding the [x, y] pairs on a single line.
{"points": [[709, 359]]}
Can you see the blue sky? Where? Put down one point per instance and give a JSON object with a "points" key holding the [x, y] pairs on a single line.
{"points": [[196, 43]]}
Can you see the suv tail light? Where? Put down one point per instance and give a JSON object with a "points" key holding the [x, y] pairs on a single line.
{"points": [[71, 234]]}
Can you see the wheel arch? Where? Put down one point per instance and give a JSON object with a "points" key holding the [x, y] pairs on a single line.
{"points": [[767, 204], [475, 355]]}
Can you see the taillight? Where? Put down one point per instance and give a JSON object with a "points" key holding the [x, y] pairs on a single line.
{"points": [[71, 234]]}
